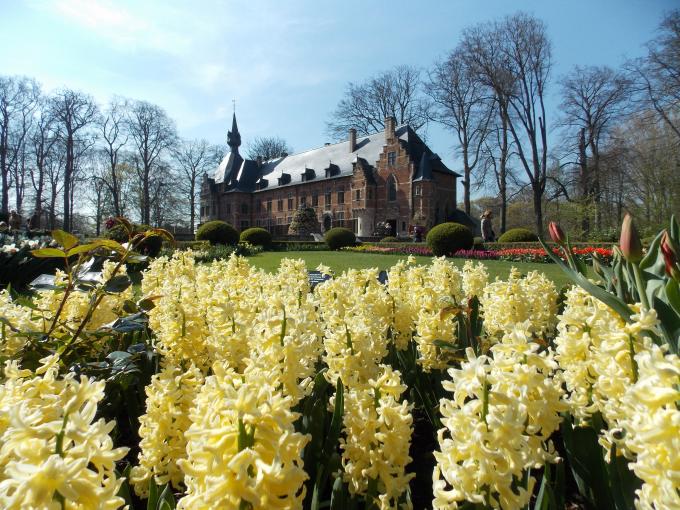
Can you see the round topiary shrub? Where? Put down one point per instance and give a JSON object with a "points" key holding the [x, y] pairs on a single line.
{"points": [[389, 239], [217, 232], [518, 235], [256, 236], [339, 237], [448, 238]]}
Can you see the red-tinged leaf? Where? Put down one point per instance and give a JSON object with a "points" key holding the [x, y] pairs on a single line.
{"points": [[48, 253], [81, 249], [65, 239], [161, 232]]}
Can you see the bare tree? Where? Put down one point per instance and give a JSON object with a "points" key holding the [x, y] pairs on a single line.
{"points": [[594, 99], [394, 93], [74, 111], [43, 136], [152, 133], [268, 147], [658, 74], [18, 96], [482, 49], [194, 158], [513, 57], [464, 106], [114, 137]]}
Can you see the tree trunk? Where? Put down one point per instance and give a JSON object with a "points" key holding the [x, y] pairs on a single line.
{"points": [[585, 183], [68, 172], [192, 202], [3, 165], [538, 209], [503, 187], [466, 183]]}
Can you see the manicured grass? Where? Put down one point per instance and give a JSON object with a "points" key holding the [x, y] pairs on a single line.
{"points": [[340, 261]]}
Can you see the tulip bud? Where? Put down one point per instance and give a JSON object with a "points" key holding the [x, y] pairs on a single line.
{"points": [[556, 233], [630, 244], [670, 256]]}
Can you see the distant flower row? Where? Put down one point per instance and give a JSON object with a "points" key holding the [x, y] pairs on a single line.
{"points": [[510, 254]]}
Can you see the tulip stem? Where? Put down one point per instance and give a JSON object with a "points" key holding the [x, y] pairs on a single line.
{"points": [[641, 287]]}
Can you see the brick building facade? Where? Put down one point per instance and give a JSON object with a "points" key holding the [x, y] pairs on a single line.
{"points": [[390, 176]]}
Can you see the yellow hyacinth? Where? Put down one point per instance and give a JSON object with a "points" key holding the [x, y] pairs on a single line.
{"points": [[170, 396], [378, 428], [51, 447], [242, 448]]}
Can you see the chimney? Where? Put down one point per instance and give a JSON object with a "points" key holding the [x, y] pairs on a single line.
{"points": [[390, 126], [352, 139], [259, 161]]}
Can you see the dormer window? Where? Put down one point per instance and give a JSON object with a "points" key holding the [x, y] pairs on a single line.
{"points": [[391, 158], [332, 170], [284, 179], [262, 184], [308, 175]]}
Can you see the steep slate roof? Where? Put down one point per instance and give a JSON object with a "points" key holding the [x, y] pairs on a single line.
{"points": [[247, 177]]}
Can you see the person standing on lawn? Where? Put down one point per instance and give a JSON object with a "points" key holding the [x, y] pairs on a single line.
{"points": [[488, 235]]}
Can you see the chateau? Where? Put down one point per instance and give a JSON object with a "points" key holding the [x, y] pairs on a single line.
{"points": [[390, 176]]}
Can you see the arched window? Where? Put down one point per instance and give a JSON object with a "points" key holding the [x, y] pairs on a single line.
{"points": [[244, 208], [391, 188]]}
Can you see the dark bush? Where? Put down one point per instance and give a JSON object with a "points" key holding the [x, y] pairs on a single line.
{"points": [[339, 237], [448, 238], [256, 236], [390, 239], [150, 246], [518, 235], [478, 243], [217, 232]]}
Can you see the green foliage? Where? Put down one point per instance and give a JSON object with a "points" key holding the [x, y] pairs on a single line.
{"points": [[192, 245], [217, 232], [304, 222], [256, 236], [518, 235], [448, 238], [221, 251], [389, 239], [339, 237], [123, 232]]}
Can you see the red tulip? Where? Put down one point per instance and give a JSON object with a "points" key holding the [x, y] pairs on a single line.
{"points": [[556, 233], [670, 256], [630, 244]]}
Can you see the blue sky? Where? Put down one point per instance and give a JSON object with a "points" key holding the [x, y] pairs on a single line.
{"points": [[286, 63]]}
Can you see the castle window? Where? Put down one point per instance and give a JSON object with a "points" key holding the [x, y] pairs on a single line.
{"points": [[357, 195], [418, 191], [391, 158], [244, 208], [279, 221], [269, 205], [289, 220], [279, 204], [403, 225], [315, 199], [327, 197], [391, 188], [341, 196], [303, 201], [290, 201], [340, 216]]}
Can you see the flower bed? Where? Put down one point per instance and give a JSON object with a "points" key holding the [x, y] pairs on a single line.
{"points": [[229, 387], [509, 254]]}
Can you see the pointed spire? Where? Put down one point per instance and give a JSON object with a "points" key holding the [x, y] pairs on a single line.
{"points": [[233, 136]]}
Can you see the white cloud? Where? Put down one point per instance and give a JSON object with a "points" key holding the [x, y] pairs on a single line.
{"points": [[124, 28]]}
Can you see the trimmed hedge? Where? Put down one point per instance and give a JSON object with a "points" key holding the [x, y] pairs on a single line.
{"points": [[298, 246], [448, 238], [339, 237], [217, 232], [256, 236], [389, 239], [518, 235]]}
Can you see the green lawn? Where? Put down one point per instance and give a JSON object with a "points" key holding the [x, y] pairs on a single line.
{"points": [[340, 261]]}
